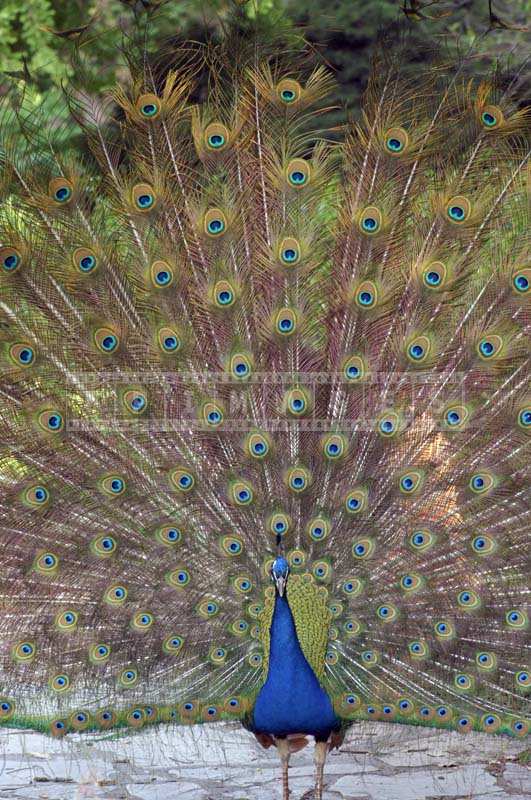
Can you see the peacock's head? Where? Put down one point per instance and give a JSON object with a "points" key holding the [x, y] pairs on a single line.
{"points": [[279, 574]]}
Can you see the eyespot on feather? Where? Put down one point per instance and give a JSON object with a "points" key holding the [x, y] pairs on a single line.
{"points": [[396, 141], [418, 349], [298, 479], [85, 260], [212, 415], [148, 106], [106, 340], [434, 275], [182, 479], [143, 197], [285, 323], [366, 295], [161, 275], [240, 366], [135, 401], [298, 173], [36, 496], [112, 485], [520, 280], [169, 340], [61, 191], [335, 446], [10, 260], [216, 137], [491, 117], [172, 644], [458, 209], [7, 709], [356, 501], [223, 294], [490, 346], [289, 91], [257, 444], [22, 354], [370, 221], [214, 223], [51, 421], [318, 529], [289, 251], [354, 369], [46, 563]]}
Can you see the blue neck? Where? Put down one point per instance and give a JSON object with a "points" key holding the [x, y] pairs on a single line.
{"points": [[291, 700]]}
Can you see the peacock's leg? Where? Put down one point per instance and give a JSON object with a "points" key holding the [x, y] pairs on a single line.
{"points": [[284, 752], [319, 757]]}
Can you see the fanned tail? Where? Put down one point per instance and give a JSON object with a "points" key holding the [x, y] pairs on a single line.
{"points": [[220, 327]]}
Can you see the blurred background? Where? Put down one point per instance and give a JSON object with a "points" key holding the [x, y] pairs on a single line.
{"points": [[39, 36]]}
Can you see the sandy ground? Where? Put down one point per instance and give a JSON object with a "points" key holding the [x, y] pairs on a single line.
{"points": [[378, 761]]}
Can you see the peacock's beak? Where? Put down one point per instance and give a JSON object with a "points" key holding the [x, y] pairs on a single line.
{"points": [[280, 583]]}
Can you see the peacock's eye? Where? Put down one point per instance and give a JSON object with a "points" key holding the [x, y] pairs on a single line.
{"points": [[62, 194], [216, 140], [145, 200], [10, 259], [456, 212], [215, 226], [416, 351], [149, 109]]}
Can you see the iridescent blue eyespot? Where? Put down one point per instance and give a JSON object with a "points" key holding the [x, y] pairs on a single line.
{"points": [[486, 348], [416, 351], [366, 298], [521, 282], [117, 485], [149, 109], [433, 278], [395, 145], [297, 177], [109, 343], [145, 200], [215, 226], [387, 425], [87, 264], [11, 262], [216, 140], [457, 213], [62, 194], [369, 224], [488, 119], [289, 255], [163, 277], [170, 343]]}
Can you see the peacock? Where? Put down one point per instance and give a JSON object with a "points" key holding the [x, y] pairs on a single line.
{"points": [[264, 396]]}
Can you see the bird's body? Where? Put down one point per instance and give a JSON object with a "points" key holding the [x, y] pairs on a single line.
{"points": [[265, 407], [291, 700]]}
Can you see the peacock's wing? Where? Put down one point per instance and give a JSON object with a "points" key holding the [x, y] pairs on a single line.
{"points": [[218, 328]]}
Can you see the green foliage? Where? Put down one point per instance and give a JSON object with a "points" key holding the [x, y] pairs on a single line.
{"points": [[344, 31], [21, 34]]}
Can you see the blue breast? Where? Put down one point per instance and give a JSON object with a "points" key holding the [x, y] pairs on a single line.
{"points": [[291, 700]]}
